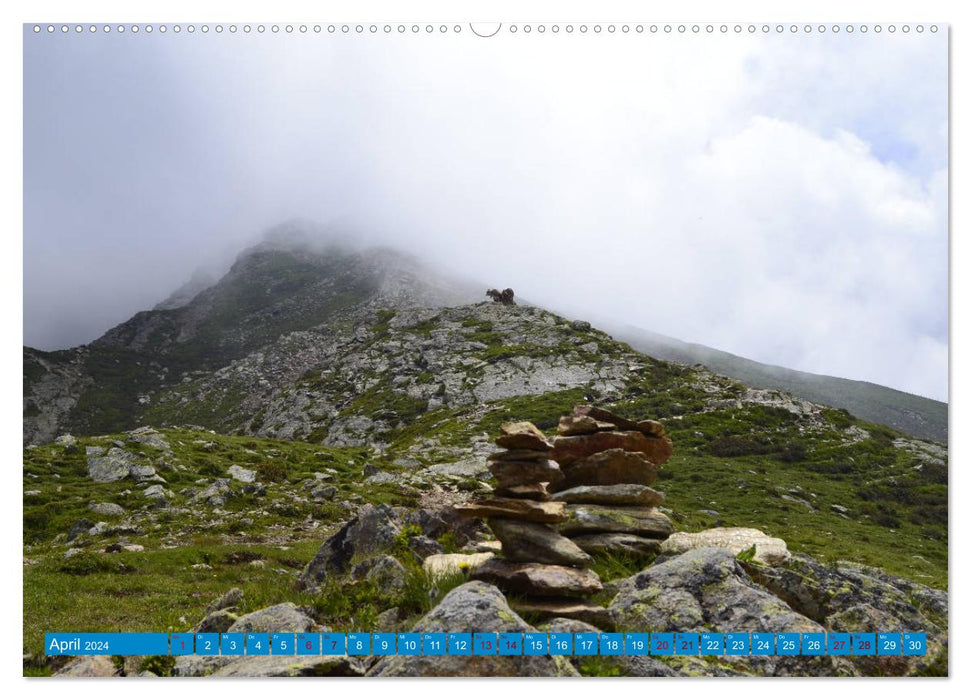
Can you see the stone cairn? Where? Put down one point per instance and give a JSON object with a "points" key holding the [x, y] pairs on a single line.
{"points": [[557, 503]]}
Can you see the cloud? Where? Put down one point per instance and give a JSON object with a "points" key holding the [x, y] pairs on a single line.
{"points": [[781, 198]]}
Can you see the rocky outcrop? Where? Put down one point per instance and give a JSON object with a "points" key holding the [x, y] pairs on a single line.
{"points": [[771, 551], [473, 607]]}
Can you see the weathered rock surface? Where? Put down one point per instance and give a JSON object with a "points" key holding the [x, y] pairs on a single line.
{"points": [[247, 476], [581, 425], [88, 667], [110, 509], [589, 613], [610, 467], [534, 492], [472, 607], [707, 589], [383, 570], [567, 450], [612, 495], [617, 543], [114, 466], [285, 617], [520, 473], [522, 436], [526, 542], [771, 551], [291, 666], [518, 508], [372, 531], [539, 579], [630, 519]]}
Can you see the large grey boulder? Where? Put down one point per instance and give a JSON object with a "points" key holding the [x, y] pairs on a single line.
{"points": [[707, 589], [372, 531], [114, 466], [472, 607], [284, 617]]}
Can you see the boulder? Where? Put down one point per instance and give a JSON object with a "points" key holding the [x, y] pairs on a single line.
{"points": [[323, 493], [706, 589], [114, 466], [542, 580], [609, 468], [230, 599], [383, 570], [569, 449], [630, 519], [472, 607], [509, 474], [285, 617], [612, 495], [522, 436], [110, 509], [88, 667], [594, 615], [617, 543], [516, 508], [247, 476], [771, 551], [80, 527], [291, 666], [536, 542], [144, 472], [217, 621], [215, 494], [371, 531]]}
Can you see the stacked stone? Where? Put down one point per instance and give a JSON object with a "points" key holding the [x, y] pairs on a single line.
{"points": [[608, 465], [542, 571]]}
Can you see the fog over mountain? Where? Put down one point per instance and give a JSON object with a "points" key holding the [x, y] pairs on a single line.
{"points": [[750, 194]]}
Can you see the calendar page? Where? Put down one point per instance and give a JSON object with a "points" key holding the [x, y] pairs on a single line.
{"points": [[540, 348]]}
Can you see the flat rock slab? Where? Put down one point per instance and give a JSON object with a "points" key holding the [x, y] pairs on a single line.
{"points": [[516, 508], [291, 666], [535, 542], [591, 614], [771, 551], [522, 436], [520, 473], [648, 427], [608, 468], [581, 425], [569, 449], [518, 455], [612, 495], [617, 543], [629, 519], [439, 565], [534, 492], [543, 580]]}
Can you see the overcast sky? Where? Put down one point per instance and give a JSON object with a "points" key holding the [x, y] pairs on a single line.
{"points": [[783, 198]]}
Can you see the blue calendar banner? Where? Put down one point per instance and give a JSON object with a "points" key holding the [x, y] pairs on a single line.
{"points": [[434, 643], [281, 644], [813, 643], [333, 644], [484, 644], [207, 644], [838, 644], [231, 643], [788, 644], [182, 644], [107, 643], [736, 643], [257, 644], [611, 644], [762, 644], [915, 643], [561, 643], [636, 644], [359, 644], [586, 644], [712, 644], [409, 644], [535, 644], [662, 643], [686, 644], [459, 644], [864, 643], [308, 644], [888, 644], [384, 644], [511, 643]]}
